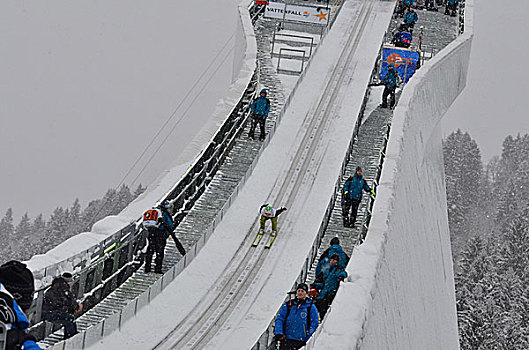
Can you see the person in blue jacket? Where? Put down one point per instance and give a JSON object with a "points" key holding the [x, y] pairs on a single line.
{"points": [[159, 224], [390, 82], [410, 18], [260, 108], [403, 5], [451, 7], [402, 38], [296, 321], [328, 285], [352, 196], [324, 264], [16, 296]]}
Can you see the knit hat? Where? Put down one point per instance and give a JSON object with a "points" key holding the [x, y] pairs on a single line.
{"points": [[18, 280], [303, 286], [358, 169], [68, 278], [335, 257], [335, 240]]}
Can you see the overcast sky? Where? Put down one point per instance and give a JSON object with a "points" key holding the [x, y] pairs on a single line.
{"points": [[492, 105], [85, 85]]}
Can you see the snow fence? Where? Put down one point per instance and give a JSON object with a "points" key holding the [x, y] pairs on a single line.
{"points": [[400, 293]]}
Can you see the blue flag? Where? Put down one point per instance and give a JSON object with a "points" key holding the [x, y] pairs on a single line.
{"points": [[405, 62]]}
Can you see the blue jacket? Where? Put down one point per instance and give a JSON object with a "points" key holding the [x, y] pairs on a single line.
{"points": [[391, 79], [324, 264], [296, 326], [408, 3], [261, 105], [410, 17], [352, 189], [21, 321], [328, 285], [452, 2]]}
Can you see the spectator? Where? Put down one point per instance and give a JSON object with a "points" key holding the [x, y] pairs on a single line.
{"points": [[16, 296], [451, 7], [403, 5], [402, 38], [391, 81], [60, 305], [324, 264], [327, 285], [410, 18], [296, 321], [352, 196], [260, 108], [430, 5], [269, 213], [159, 224]]}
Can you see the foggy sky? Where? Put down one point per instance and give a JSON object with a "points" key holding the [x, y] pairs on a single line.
{"points": [[85, 85], [494, 102]]}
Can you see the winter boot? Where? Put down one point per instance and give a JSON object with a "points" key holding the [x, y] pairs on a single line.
{"points": [[345, 222], [148, 259], [274, 233]]}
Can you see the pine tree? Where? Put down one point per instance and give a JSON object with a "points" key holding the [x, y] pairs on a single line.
{"points": [[466, 188], [7, 231], [24, 238]]}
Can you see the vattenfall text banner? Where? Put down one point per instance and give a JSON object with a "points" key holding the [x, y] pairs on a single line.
{"points": [[318, 15]]}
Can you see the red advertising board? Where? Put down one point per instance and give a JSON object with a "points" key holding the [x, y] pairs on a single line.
{"points": [[261, 2]]}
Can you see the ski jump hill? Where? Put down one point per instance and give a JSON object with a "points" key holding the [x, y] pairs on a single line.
{"points": [[224, 294]]}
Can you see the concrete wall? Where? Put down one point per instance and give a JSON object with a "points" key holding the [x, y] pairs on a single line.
{"points": [[400, 293]]}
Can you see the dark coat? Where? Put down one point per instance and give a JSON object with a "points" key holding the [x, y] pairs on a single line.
{"points": [[261, 105], [328, 285], [325, 264], [352, 189], [59, 298]]}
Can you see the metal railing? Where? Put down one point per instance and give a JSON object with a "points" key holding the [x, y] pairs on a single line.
{"points": [[109, 264], [267, 336]]}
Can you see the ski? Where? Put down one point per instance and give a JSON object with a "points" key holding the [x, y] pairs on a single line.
{"points": [[257, 239], [270, 241]]}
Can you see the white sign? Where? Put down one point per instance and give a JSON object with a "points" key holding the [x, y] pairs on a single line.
{"points": [[318, 15]]}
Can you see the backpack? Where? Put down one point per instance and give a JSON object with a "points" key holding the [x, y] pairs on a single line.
{"points": [[151, 218], [10, 339], [289, 307]]}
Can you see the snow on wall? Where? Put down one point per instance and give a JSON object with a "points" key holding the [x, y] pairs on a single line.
{"points": [[244, 66], [400, 293]]}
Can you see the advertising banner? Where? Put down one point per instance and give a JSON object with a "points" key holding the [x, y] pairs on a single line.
{"points": [[261, 2], [317, 15], [405, 61]]}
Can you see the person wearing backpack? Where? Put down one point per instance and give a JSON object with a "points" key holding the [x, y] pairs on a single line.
{"points": [[259, 108], [16, 296], [296, 321], [159, 224], [327, 284]]}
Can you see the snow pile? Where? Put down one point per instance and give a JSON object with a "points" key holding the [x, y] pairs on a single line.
{"points": [[400, 293], [244, 64]]}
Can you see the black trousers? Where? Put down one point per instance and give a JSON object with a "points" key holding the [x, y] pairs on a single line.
{"points": [[350, 205], [450, 8], [290, 344], [323, 305], [157, 241], [257, 119], [388, 90]]}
